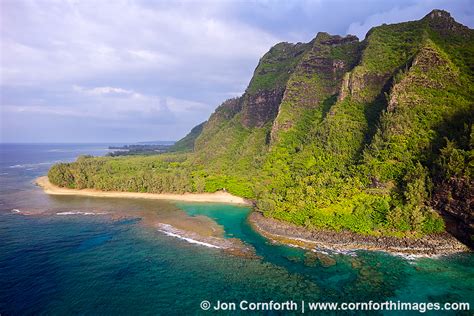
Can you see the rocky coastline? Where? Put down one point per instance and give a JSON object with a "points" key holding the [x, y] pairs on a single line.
{"points": [[290, 234]]}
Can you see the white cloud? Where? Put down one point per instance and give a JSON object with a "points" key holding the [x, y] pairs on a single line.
{"points": [[102, 90], [73, 41], [412, 12], [155, 64]]}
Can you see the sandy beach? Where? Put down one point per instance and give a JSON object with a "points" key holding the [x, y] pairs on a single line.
{"points": [[282, 232], [217, 197]]}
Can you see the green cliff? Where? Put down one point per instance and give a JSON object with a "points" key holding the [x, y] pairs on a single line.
{"points": [[372, 136]]}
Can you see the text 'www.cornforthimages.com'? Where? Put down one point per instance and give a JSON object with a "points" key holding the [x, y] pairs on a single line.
{"points": [[303, 306]]}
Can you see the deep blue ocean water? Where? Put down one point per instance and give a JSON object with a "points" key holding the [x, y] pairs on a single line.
{"points": [[115, 265]]}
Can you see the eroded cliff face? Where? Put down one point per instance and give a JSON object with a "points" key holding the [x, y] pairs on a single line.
{"points": [[418, 75], [362, 86], [316, 77], [454, 198], [330, 57], [261, 107], [227, 110], [265, 91]]}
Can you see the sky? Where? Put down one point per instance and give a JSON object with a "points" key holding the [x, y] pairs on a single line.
{"points": [[142, 70]]}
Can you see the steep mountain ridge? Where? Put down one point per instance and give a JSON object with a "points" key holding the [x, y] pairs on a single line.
{"points": [[337, 133]]}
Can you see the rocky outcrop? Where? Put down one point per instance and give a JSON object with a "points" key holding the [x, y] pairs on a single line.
{"points": [[265, 91], [322, 60], [283, 232], [444, 23], [261, 107], [336, 40], [275, 67], [227, 110], [454, 198], [362, 86], [346, 87]]}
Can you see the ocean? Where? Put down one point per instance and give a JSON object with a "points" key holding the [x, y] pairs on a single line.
{"points": [[65, 255]]}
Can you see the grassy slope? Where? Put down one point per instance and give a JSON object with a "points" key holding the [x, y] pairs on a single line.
{"points": [[186, 144]]}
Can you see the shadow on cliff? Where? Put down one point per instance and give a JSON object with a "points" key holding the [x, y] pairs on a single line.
{"points": [[452, 196]]}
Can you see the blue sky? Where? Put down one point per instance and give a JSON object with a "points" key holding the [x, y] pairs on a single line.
{"points": [[127, 71]]}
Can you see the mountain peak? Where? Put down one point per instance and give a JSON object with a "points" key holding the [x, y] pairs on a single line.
{"points": [[439, 14], [443, 22], [333, 40]]}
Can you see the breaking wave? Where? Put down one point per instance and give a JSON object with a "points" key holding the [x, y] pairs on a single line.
{"points": [[172, 232], [80, 213]]}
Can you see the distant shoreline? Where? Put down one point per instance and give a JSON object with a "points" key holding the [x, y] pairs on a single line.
{"points": [[217, 197], [290, 234]]}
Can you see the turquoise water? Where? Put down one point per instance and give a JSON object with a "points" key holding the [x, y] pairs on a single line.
{"points": [[117, 263]]}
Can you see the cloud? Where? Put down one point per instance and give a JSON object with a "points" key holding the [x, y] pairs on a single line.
{"points": [[124, 60], [136, 69], [411, 12], [114, 103], [103, 91], [72, 41]]}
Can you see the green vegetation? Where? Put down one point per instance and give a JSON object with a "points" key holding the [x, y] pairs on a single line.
{"points": [[370, 136], [187, 142], [275, 67], [156, 174]]}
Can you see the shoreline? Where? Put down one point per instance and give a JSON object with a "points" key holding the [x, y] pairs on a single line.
{"points": [[217, 197], [287, 233], [314, 240]]}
